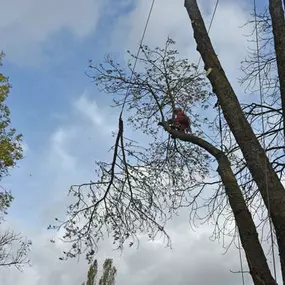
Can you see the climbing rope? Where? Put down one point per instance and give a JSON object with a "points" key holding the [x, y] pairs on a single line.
{"points": [[137, 55], [240, 259], [210, 25], [220, 127], [263, 139]]}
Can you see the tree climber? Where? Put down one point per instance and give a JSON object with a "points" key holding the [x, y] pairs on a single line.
{"points": [[180, 121]]}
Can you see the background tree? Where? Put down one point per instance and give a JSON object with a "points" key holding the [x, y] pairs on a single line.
{"points": [[108, 274], [13, 247], [265, 114], [10, 141], [268, 112], [92, 273], [263, 111]]}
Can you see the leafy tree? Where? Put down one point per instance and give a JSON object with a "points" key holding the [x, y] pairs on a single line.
{"points": [[92, 272], [108, 275], [13, 247], [10, 140]]}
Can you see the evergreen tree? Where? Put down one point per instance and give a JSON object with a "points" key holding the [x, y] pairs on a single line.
{"points": [[108, 275]]}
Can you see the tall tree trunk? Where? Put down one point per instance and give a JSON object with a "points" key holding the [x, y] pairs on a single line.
{"points": [[278, 28], [257, 161], [255, 256]]}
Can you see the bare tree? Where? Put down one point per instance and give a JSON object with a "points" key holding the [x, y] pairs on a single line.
{"points": [[266, 116], [143, 186], [269, 185], [14, 249], [278, 28]]}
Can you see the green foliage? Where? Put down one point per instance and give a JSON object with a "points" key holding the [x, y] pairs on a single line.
{"points": [[92, 272], [108, 275], [10, 141], [5, 201], [13, 247]]}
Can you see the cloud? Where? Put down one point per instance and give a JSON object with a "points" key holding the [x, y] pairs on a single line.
{"points": [[151, 263], [80, 139], [25, 27], [58, 148], [100, 117], [175, 267]]}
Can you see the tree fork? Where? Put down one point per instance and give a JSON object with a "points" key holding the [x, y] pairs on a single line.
{"points": [[255, 256], [253, 153], [278, 29]]}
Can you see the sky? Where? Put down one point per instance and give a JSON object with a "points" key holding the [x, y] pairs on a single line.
{"points": [[67, 125]]}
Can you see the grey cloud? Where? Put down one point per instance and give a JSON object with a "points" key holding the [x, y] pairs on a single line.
{"points": [[194, 259]]}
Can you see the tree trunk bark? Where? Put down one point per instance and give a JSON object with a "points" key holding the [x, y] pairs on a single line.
{"points": [[255, 256], [278, 28], [257, 161]]}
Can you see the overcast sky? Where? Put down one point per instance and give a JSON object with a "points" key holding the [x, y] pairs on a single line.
{"points": [[67, 125]]}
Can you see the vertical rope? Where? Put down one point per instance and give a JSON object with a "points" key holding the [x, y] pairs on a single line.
{"points": [[220, 128], [210, 25], [263, 139], [240, 260], [137, 55]]}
